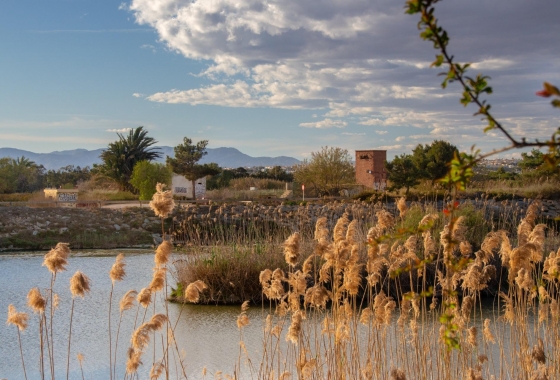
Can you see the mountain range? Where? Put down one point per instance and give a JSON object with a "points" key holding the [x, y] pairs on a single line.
{"points": [[224, 157]]}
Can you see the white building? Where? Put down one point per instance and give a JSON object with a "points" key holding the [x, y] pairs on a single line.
{"points": [[182, 187]]}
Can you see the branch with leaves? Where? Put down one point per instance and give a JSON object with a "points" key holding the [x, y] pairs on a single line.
{"points": [[474, 88]]}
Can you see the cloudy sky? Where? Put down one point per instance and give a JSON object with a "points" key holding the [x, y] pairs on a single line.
{"points": [[269, 77]]}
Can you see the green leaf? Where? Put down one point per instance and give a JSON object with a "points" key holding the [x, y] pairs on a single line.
{"points": [[555, 103], [438, 62]]}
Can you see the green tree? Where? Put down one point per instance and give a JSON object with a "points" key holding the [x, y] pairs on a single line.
{"points": [[20, 175], [327, 172], [432, 160], [121, 156], [146, 175], [403, 172], [67, 176], [186, 160]]}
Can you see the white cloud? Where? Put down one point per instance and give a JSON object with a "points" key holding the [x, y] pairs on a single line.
{"points": [[400, 138], [326, 123], [355, 60], [148, 47], [138, 95], [352, 134], [492, 64], [381, 132], [121, 130]]}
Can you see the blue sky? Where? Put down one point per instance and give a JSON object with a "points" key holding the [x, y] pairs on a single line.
{"points": [[270, 78]]}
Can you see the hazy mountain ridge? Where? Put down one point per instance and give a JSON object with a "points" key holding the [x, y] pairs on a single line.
{"points": [[224, 157]]}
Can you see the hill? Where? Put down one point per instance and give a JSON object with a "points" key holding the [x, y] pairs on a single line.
{"points": [[224, 157]]}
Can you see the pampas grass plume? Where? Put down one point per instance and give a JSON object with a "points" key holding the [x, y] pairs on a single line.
{"points": [[162, 201], [117, 272], [79, 284], [56, 259], [158, 280], [145, 297], [291, 249], [127, 301], [162, 253], [36, 301], [157, 370], [192, 294], [16, 318]]}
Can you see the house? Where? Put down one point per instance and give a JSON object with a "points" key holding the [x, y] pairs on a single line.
{"points": [[370, 168], [182, 187]]}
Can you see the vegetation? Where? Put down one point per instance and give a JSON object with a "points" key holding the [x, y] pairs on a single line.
{"points": [[327, 172], [224, 179], [381, 308], [431, 161], [67, 177], [20, 175], [402, 172], [121, 156], [427, 162], [146, 175], [186, 163]]}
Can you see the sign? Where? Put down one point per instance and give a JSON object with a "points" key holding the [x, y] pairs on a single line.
{"points": [[67, 197]]}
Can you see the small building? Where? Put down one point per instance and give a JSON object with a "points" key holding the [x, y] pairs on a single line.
{"points": [[370, 168], [63, 197], [182, 187]]}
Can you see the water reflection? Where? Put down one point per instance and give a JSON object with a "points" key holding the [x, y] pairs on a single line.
{"points": [[208, 334]]}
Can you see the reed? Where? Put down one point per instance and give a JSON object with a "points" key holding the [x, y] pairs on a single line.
{"points": [[356, 292]]}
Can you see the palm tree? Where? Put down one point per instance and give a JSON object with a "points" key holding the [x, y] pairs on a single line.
{"points": [[120, 156]]}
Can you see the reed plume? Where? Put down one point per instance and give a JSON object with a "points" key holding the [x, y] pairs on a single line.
{"points": [[127, 301], [158, 279], [36, 301], [295, 328], [79, 284], [321, 230], [243, 319], [163, 252], [141, 337], [157, 370], [145, 297], [18, 319], [291, 249], [133, 360], [162, 201], [192, 293], [57, 258], [117, 272], [402, 207]]}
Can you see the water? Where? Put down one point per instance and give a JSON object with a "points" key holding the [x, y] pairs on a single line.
{"points": [[208, 334]]}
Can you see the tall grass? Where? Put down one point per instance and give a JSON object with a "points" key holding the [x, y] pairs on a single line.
{"points": [[369, 295], [357, 319]]}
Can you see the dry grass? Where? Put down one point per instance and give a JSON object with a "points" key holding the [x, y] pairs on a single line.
{"points": [[387, 296]]}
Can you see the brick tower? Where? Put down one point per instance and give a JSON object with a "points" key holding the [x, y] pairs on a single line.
{"points": [[370, 168]]}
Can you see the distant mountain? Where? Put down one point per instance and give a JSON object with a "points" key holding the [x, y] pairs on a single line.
{"points": [[224, 157]]}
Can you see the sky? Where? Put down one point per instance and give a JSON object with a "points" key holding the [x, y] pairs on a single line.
{"points": [[269, 77]]}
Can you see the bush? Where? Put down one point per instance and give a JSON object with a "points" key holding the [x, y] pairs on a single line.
{"points": [[230, 272]]}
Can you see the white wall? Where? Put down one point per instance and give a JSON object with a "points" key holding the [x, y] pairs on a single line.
{"points": [[182, 187]]}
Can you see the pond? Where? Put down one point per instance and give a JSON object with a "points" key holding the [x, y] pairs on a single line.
{"points": [[208, 334]]}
